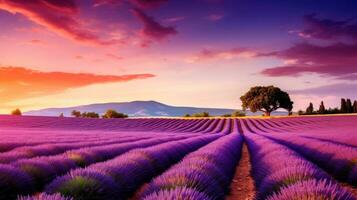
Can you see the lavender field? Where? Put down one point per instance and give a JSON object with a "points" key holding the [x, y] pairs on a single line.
{"points": [[51, 158]]}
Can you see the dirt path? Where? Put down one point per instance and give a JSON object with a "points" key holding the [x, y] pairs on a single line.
{"points": [[350, 188], [242, 187]]}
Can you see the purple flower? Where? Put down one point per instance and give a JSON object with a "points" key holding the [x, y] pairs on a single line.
{"points": [[13, 182], [312, 189], [44, 196], [179, 193], [85, 184], [208, 170]]}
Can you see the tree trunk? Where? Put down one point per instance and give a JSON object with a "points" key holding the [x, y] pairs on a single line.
{"points": [[267, 114]]}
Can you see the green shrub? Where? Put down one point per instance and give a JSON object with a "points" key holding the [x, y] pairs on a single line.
{"points": [[113, 114], [16, 112]]}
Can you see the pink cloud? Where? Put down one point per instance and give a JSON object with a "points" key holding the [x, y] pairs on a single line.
{"points": [[37, 42], [113, 56], [152, 30], [97, 3], [57, 16], [78, 57], [215, 17], [210, 54], [175, 19]]}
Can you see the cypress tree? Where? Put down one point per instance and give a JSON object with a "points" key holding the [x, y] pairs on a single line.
{"points": [[355, 106], [322, 109], [343, 106], [310, 109], [349, 107]]}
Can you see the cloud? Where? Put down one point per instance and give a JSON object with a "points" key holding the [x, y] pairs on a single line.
{"points": [[228, 54], [152, 30], [113, 56], [58, 16], [148, 3], [215, 17], [78, 57], [175, 19], [337, 60], [143, 4], [18, 83], [328, 29], [36, 42], [97, 3], [340, 89]]}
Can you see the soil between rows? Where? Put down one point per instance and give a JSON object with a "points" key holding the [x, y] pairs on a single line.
{"points": [[242, 186]]}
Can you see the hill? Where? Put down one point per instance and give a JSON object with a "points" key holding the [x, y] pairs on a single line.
{"points": [[136, 109]]}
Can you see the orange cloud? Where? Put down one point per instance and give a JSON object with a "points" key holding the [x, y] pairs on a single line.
{"points": [[18, 83]]}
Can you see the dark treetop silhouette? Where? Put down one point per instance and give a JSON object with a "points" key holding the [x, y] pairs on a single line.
{"points": [[266, 99]]}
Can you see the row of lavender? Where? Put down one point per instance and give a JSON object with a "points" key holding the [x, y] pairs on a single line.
{"points": [[28, 168], [331, 151], [205, 173], [335, 152], [25, 176], [282, 174], [12, 139], [142, 124], [38, 168]]}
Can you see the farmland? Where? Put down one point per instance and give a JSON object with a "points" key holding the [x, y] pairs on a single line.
{"points": [[176, 158]]}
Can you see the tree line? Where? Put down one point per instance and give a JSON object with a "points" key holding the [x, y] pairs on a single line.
{"points": [[346, 107], [107, 115], [236, 113]]}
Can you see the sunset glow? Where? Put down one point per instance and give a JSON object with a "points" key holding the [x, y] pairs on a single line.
{"points": [[203, 53]]}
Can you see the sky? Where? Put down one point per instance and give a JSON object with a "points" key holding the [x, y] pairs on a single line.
{"points": [[206, 53]]}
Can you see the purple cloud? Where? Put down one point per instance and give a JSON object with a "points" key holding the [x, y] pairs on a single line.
{"points": [[338, 60], [148, 3], [328, 29], [215, 17], [340, 89], [152, 30]]}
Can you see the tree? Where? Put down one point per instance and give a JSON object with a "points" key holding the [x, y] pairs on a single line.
{"points": [[238, 113], [114, 114], [202, 114], [332, 111], [310, 109], [355, 106], [16, 112], [322, 109], [76, 113], [266, 99], [349, 108], [90, 115], [187, 115], [61, 115], [343, 106]]}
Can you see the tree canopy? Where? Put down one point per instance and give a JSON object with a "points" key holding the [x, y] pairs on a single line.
{"points": [[322, 108], [16, 112], [114, 114], [266, 99], [76, 113]]}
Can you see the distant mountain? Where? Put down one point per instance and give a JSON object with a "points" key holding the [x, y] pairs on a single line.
{"points": [[133, 109]]}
